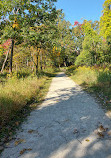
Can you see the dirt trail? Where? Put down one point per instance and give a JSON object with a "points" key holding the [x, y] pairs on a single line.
{"points": [[66, 125]]}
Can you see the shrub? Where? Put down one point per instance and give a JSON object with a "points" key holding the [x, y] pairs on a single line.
{"points": [[85, 58]]}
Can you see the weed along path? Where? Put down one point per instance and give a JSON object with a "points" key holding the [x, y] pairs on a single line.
{"points": [[68, 124]]}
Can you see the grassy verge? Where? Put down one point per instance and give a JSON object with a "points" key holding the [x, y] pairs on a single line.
{"points": [[18, 96], [94, 80]]}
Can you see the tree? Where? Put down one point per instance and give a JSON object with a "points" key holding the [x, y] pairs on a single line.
{"points": [[105, 20], [105, 31], [90, 54], [78, 34], [63, 42], [6, 49], [21, 15], [40, 37]]}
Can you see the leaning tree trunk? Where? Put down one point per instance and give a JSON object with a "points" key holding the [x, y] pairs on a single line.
{"points": [[37, 66], [11, 57], [5, 60], [41, 60]]}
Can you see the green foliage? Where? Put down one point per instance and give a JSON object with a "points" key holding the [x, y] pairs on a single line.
{"points": [[28, 22], [85, 58], [78, 36], [62, 52], [70, 70], [105, 30], [44, 37], [91, 46], [105, 21], [23, 73]]}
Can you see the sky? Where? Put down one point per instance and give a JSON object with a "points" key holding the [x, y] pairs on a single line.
{"points": [[76, 10]]}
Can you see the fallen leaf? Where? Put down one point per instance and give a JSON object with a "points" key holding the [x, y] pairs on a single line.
{"points": [[87, 140], [101, 129], [30, 131], [22, 151], [100, 134], [19, 141]]}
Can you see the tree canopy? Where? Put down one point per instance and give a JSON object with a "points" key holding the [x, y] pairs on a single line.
{"points": [[39, 35]]}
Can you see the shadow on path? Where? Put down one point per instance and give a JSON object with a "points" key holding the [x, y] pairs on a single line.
{"points": [[63, 126]]}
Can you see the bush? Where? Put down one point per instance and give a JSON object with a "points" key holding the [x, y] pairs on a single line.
{"points": [[23, 73], [85, 75], [85, 58], [70, 69]]}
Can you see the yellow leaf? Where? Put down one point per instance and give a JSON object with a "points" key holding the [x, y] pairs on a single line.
{"points": [[15, 25], [100, 134], [87, 140], [22, 151], [19, 141]]}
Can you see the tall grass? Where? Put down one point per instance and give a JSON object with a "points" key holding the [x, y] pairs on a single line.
{"points": [[94, 79], [16, 94], [19, 90]]}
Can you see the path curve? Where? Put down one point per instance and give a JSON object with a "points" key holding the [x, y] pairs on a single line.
{"points": [[64, 126]]}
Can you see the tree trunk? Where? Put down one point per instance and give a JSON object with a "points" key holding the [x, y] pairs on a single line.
{"points": [[5, 60], [11, 57], [33, 67], [41, 60], [37, 66], [59, 63], [27, 62], [64, 63]]}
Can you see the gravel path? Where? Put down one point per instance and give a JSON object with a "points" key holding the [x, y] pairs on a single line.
{"points": [[68, 124]]}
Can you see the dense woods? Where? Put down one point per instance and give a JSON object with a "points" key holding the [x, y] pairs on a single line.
{"points": [[34, 35]]}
